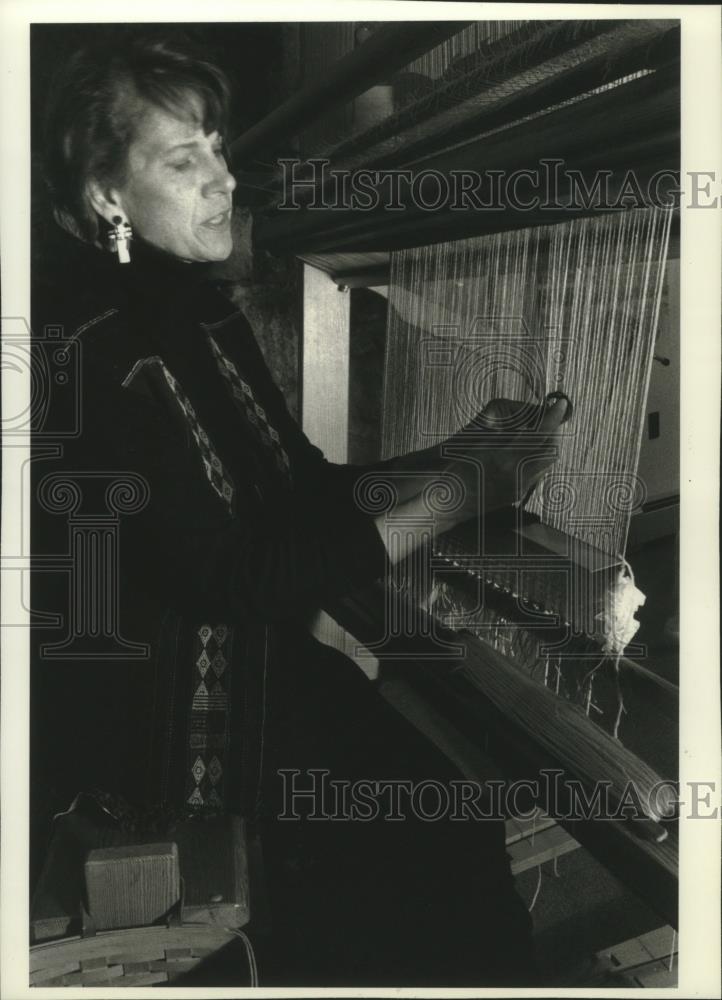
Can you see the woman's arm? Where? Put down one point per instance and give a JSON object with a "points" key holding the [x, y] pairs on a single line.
{"points": [[487, 476], [272, 557], [489, 473]]}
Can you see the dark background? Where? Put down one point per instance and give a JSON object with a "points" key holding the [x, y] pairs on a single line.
{"points": [[251, 54]]}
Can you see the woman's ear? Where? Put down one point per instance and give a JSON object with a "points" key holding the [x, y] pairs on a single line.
{"points": [[105, 201]]}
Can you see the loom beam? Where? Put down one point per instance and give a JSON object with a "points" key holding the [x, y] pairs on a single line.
{"points": [[456, 687], [641, 117], [550, 66], [392, 46]]}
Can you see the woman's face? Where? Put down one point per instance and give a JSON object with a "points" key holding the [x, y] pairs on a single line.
{"points": [[177, 189]]}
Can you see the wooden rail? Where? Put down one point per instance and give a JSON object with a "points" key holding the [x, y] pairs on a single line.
{"points": [[388, 49], [455, 687]]}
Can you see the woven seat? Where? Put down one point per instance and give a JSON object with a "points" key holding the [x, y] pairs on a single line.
{"points": [[141, 956]]}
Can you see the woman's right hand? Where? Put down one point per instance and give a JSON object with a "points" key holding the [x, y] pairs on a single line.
{"points": [[501, 455], [495, 460]]}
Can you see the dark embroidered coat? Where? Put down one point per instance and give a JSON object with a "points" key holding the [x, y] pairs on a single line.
{"points": [[243, 529], [232, 530]]}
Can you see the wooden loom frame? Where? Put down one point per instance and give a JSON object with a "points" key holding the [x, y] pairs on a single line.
{"points": [[636, 125]]}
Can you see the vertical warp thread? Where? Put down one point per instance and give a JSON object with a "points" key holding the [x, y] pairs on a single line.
{"points": [[517, 315]]}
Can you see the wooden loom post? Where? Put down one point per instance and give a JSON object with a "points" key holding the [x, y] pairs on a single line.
{"points": [[324, 375]]}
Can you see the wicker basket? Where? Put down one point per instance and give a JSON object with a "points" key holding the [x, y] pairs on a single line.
{"points": [[141, 956]]}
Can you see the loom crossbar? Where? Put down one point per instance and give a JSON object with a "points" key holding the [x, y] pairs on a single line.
{"points": [[480, 691]]}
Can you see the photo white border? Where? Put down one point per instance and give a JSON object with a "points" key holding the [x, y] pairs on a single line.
{"points": [[701, 288]]}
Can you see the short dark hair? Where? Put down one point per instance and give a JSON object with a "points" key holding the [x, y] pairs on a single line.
{"points": [[93, 107]]}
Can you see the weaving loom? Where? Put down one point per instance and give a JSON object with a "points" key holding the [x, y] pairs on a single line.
{"points": [[513, 303], [517, 316]]}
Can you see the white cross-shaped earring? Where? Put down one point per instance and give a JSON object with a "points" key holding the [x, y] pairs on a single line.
{"points": [[120, 236]]}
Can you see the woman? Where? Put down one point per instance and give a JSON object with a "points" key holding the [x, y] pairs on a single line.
{"points": [[243, 530]]}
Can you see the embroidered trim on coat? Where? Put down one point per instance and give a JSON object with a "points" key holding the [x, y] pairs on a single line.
{"points": [[218, 476], [222, 322], [91, 322], [209, 717], [245, 401], [141, 363]]}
